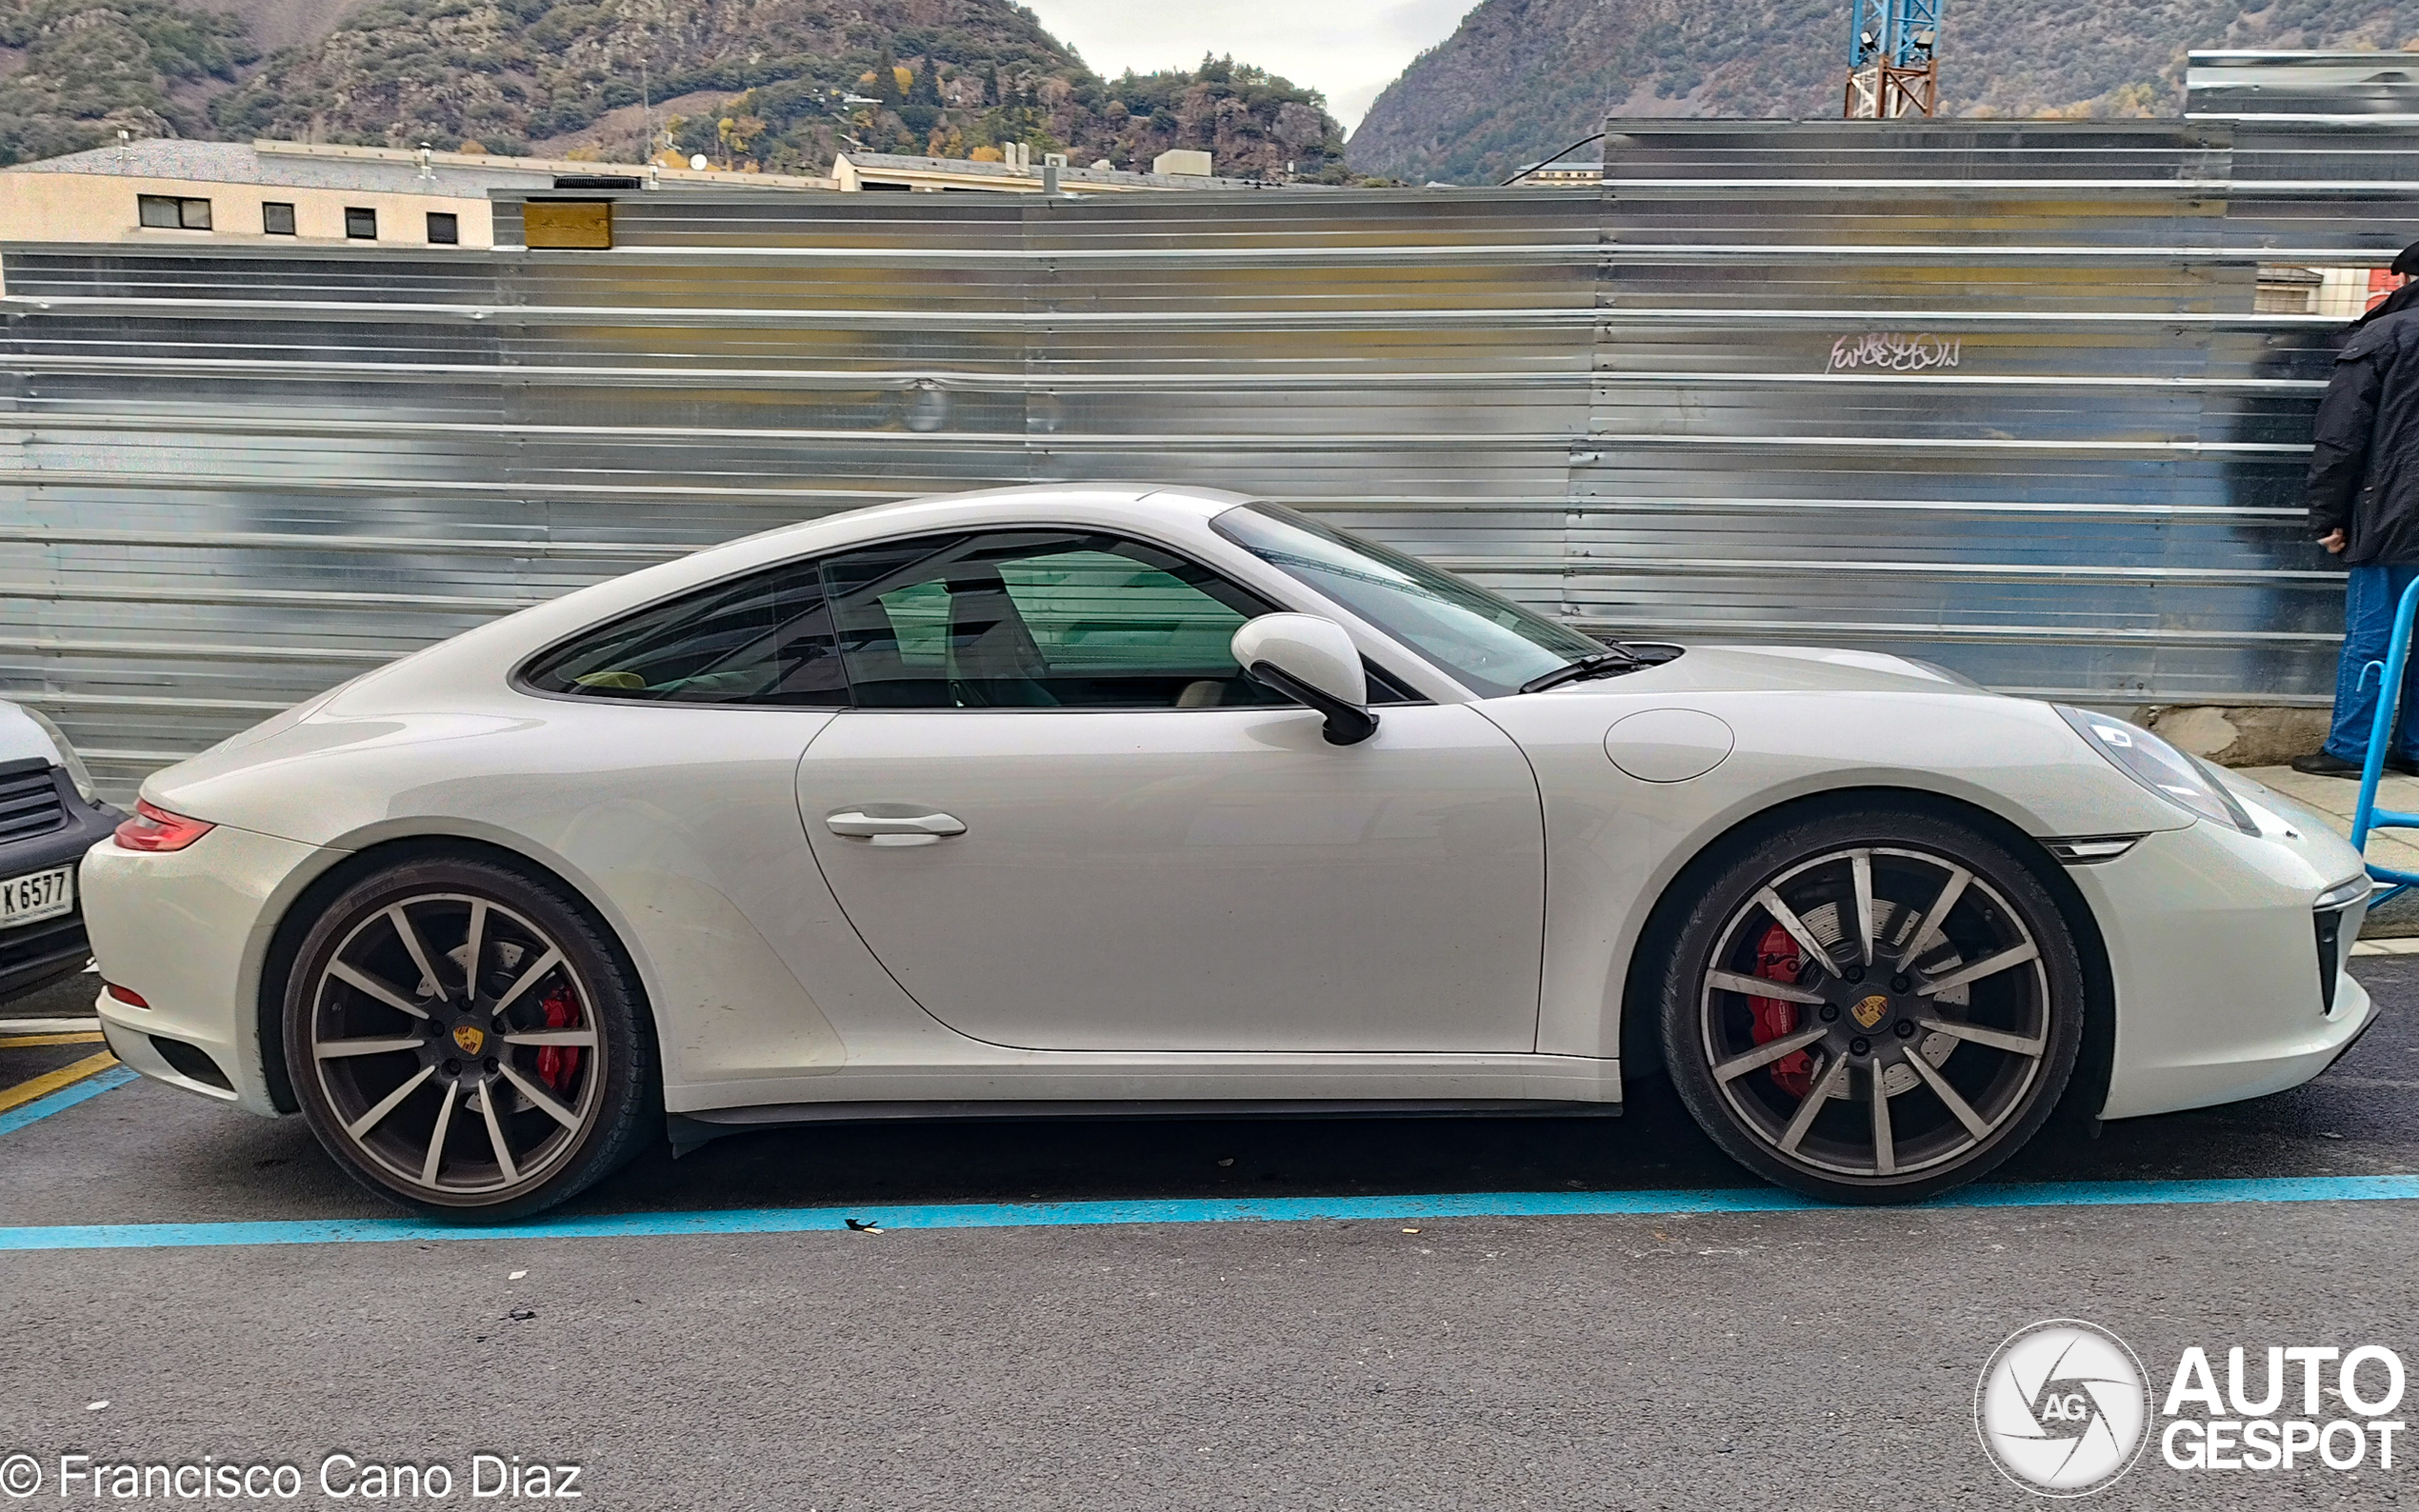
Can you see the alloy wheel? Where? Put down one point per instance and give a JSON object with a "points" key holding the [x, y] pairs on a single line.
{"points": [[1875, 1013], [456, 1045]]}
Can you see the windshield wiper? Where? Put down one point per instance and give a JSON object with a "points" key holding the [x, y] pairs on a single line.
{"points": [[1619, 659]]}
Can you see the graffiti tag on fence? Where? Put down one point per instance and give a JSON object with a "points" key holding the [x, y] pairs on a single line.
{"points": [[1894, 351]]}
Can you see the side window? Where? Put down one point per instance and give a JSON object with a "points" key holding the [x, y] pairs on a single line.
{"points": [[764, 639], [1037, 620], [1096, 613], [173, 212], [919, 617]]}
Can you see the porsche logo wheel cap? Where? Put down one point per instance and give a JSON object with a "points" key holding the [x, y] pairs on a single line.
{"points": [[1868, 1013], [473, 1041]]}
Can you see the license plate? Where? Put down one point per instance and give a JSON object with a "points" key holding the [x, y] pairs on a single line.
{"points": [[41, 895]]}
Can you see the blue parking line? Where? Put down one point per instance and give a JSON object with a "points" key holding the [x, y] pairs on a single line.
{"points": [[1196, 1210], [65, 1097]]}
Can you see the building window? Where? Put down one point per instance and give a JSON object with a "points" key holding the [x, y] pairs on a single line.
{"points": [[444, 229], [169, 212], [276, 219], [361, 225]]}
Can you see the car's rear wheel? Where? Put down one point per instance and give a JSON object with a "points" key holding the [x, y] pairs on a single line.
{"points": [[464, 1038], [1872, 1007]]}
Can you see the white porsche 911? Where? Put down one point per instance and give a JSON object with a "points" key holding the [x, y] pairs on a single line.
{"points": [[1094, 798]]}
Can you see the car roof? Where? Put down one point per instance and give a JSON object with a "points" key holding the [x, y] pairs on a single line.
{"points": [[1031, 503], [1023, 500], [1182, 511]]}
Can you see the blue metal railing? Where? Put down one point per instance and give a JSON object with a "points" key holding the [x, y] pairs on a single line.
{"points": [[2365, 815]]}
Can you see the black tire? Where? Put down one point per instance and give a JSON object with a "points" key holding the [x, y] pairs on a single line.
{"points": [[1964, 1083], [491, 1127]]}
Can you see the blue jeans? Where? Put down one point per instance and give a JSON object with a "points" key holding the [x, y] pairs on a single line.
{"points": [[2370, 598]]}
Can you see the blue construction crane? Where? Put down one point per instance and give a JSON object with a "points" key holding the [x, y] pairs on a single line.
{"points": [[1894, 62]]}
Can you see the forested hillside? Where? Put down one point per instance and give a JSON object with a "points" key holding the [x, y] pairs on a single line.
{"points": [[77, 72], [1520, 78], [751, 83]]}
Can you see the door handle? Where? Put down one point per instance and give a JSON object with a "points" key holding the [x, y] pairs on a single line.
{"points": [[894, 829]]}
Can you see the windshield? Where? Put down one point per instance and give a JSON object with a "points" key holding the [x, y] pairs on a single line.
{"points": [[1492, 645]]}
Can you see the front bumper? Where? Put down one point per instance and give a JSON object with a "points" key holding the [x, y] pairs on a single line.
{"points": [[2216, 950], [187, 931], [33, 954]]}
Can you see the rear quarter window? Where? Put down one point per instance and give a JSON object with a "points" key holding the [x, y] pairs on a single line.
{"points": [[764, 639]]}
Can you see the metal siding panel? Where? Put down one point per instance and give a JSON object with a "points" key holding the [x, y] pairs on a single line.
{"points": [[233, 477]]}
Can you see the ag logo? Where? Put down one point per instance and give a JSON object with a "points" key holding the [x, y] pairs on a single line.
{"points": [[2063, 1408], [471, 1040], [1869, 1013]]}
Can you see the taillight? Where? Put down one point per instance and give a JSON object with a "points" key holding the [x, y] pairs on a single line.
{"points": [[153, 828], [126, 995]]}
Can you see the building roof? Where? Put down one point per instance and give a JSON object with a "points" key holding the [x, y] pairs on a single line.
{"points": [[241, 163], [392, 170], [881, 164]]}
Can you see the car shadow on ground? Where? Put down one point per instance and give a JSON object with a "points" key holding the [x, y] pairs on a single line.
{"points": [[146, 1152], [2359, 1119]]}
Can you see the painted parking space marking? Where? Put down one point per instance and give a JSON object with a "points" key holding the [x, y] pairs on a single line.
{"points": [[49, 1082], [1196, 1210], [92, 1084], [28, 1042]]}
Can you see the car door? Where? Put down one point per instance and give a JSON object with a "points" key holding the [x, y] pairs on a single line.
{"points": [[1063, 819]]}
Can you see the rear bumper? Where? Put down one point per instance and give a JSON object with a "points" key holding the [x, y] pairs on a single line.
{"points": [[33, 954], [187, 931]]}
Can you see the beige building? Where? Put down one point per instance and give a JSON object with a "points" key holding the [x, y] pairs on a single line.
{"points": [[1568, 176], [168, 191]]}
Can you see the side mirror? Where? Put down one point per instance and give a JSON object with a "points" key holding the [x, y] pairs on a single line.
{"points": [[1312, 662]]}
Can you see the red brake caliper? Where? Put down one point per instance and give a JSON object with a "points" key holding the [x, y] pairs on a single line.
{"points": [[1777, 959], [556, 1064]]}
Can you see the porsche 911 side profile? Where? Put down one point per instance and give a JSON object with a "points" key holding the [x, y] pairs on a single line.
{"points": [[1093, 799]]}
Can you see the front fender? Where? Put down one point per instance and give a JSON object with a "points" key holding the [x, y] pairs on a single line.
{"points": [[1615, 843]]}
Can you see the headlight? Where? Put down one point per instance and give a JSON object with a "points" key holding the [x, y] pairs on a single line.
{"points": [[77, 772], [2180, 779]]}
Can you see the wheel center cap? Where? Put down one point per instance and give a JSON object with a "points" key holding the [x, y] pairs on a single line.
{"points": [[473, 1040], [1867, 1011]]}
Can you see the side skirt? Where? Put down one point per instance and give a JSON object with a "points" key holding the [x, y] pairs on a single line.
{"points": [[688, 1131]]}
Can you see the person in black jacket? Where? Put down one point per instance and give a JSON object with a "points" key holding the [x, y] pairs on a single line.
{"points": [[2364, 506]]}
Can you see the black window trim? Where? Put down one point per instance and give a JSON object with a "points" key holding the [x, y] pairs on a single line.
{"points": [[210, 211], [519, 678]]}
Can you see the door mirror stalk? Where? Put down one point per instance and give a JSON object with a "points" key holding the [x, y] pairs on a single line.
{"points": [[1313, 662]]}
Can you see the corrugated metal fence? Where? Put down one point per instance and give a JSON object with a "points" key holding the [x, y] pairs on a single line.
{"points": [[1989, 394]]}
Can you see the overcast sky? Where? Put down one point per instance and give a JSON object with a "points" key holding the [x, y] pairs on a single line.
{"points": [[1346, 49]]}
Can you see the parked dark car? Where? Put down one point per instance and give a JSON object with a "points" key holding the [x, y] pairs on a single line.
{"points": [[50, 816]]}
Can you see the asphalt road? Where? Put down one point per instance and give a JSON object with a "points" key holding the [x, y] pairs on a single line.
{"points": [[1801, 1359]]}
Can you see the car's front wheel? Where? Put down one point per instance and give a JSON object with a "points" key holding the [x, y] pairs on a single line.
{"points": [[1872, 1007], [464, 1038]]}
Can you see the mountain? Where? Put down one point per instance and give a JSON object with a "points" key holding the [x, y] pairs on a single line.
{"points": [[76, 73], [763, 84], [1521, 78]]}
